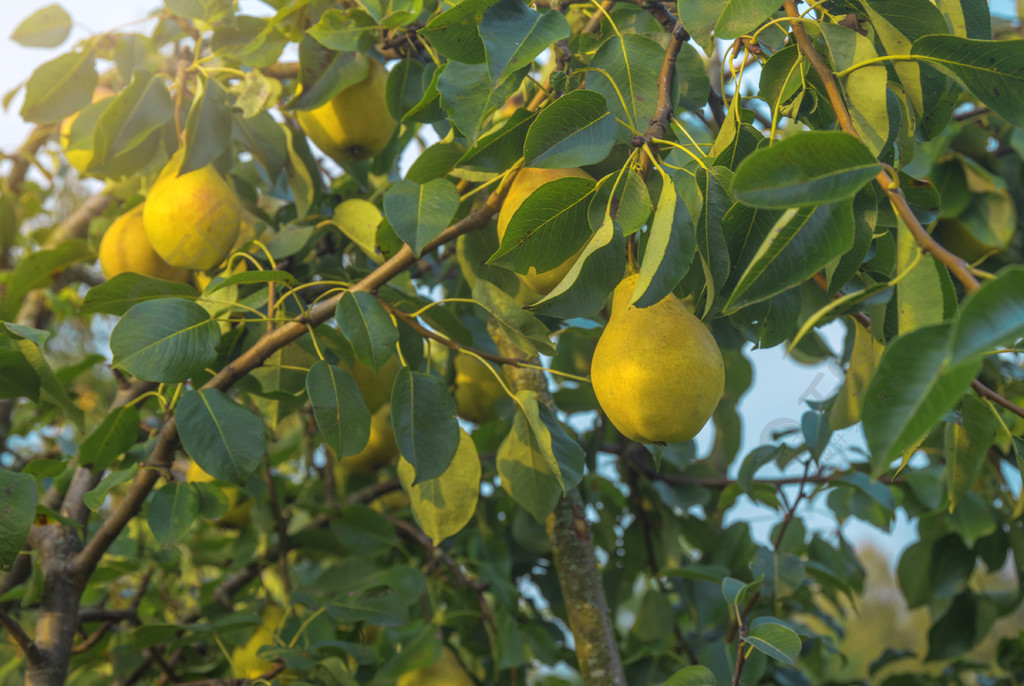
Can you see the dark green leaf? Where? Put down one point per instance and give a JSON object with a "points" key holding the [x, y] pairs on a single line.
{"points": [[513, 34], [208, 127], [368, 327], [224, 438], [166, 340], [18, 498], [324, 73], [423, 416], [991, 317], [714, 187], [172, 511], [339, 408], [453, 33], [468, 96], [420, 212], [573, 131], [632, 62], [263, 137], [809, 168], [95, 498], [126, 290], [128, 131], [118, 432], [774, 640], [670, 247], [497, 151]]}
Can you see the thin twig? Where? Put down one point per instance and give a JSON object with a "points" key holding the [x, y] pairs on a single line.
{"points": [[23, 640], [413, 324]]}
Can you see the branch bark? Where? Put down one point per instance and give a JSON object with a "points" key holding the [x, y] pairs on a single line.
{"points": [[956, 265]]}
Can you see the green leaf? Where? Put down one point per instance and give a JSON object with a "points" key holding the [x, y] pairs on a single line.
{"points": [[248, 278], [208, 126], [423, 416], [548, 227], [670, 248], [20, 379], [324, 73], [173, 509], [453, 33], [419, 213], [468, 96], [526, 464], [741, 17], [264, 139], [914, 387], [497, 151], [95, 498], [37, 269], [167, 340], [735, 591], [118, 432], [513, 34], [632, 62], [694, 675], [774, 640], [524, 329], [865, 87], [368, 327], [967, 18], [45, 28], [344, 30], [801, 243], [966, 447], [51, 389], [59, 88], [585, 288], [573, 131], [339, 408], [714, 188], [692, 81], [992, 70], [628, 196], [991, 317], [919, 292], [128, 132], [128, 289], [18, 498], [809, 168], [444, 505], [359, 220], [223, 437]]}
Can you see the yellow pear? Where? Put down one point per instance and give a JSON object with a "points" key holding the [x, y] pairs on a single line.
{"points": [[527, 181], [355, 123], [476, 390], [376, 388], [80, 158], [192, 220], [239, 514], [125, 248], [657, 371], [380, 450], [245, 660], [447, 671]]}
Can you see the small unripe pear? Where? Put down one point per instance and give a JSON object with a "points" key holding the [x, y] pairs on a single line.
{"points": [[657, 371]]}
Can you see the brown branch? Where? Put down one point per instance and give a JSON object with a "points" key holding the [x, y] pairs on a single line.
{"points": [[956, 265], [163, 452], [23, 640], [663, 112], [986, 392], [594, 23], [478, 587]]}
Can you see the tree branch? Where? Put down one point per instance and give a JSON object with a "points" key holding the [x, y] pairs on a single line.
{"points": [[163, 452], [956, 265], [23, 640]]}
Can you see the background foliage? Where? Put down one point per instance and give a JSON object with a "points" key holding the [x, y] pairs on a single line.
{"points": [[781, 168]]}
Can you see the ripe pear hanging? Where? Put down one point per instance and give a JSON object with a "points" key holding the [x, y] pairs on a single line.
{"points": [[657, 371]]}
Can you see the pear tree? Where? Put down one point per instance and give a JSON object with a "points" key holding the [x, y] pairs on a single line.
{"points": [[311, 373]]}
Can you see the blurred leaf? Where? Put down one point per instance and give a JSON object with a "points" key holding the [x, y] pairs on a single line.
{"points": [[59, 88], [992, 316], [118, 432], [774, 640], [37, 270], [95, 498], [173, 509], [166, 340], [344, 30], [694, 675], [966, 447], [45, 28], [17, 511], [128, 131], [224, 438]]}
